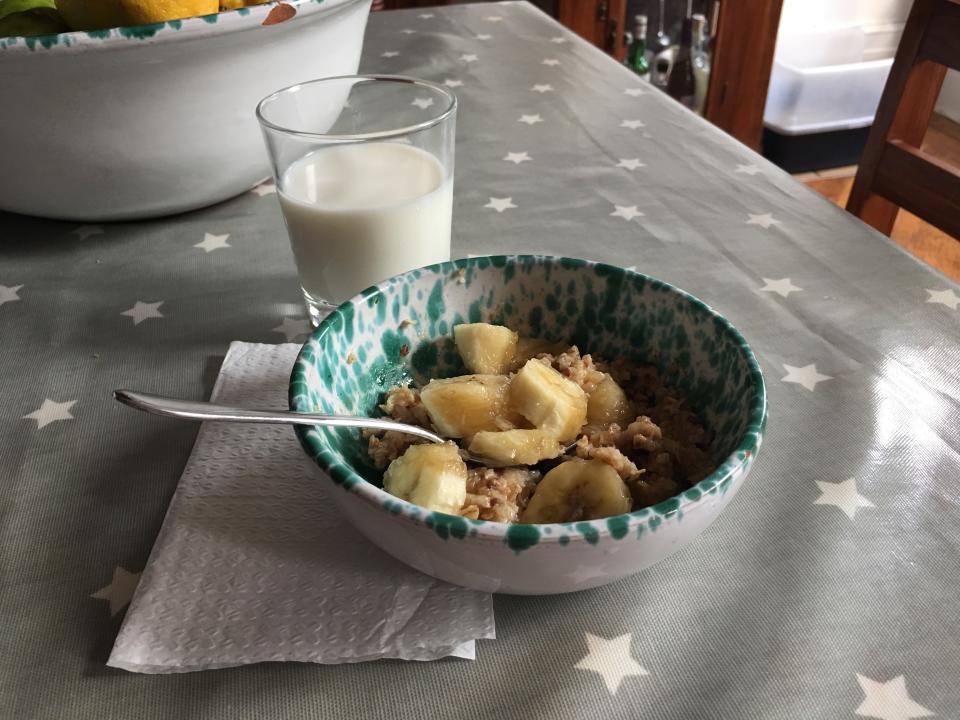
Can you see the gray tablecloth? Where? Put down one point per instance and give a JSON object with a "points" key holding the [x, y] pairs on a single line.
{"points": [[828, 589]]}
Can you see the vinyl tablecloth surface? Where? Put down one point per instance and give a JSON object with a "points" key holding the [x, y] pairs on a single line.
{"points": [[828, 589]]}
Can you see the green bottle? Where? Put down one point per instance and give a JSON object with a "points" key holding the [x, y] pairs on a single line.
{"points": [[637, 53]]}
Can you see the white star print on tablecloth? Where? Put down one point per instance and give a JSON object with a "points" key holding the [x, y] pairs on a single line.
{"points": [[631, 124], [213, 242], [389, 54], [500, 204], [889, 700], [782, 287], [120, 589], [944, 297], [611, 659], [484, 36], [806, 376], [530, 119], [408, 31], [425, 16], [542, 88], [514, 157], [634, 92], [468, 57], [144, 311], [50, 411], [625, 212], [452, 82], [8, 293], [558, 39], [747, 169], [842, 495], [422, 103], [85, 231], [293, 328], [630, 163], [493, 18], [765, 221], [267, 187], [552, 62]]}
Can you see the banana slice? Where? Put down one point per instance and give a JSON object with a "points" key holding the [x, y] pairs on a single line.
{"points": [[577, 490], [608, 404], [516, 447], [431, 476], [550, 401], [485, 348], [461, 406]]}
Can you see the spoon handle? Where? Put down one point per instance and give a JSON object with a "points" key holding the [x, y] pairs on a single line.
{"points": [[194, 410]]}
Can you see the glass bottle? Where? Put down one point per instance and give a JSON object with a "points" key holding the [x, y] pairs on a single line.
{"points": [[637, 55], [681, 85], [701, 62]]}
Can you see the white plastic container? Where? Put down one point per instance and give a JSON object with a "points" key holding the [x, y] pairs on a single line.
{"points": [[821, 81]]}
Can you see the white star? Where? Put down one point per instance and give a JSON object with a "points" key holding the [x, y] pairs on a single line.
{"points": [[611, 659], [292, 329], [634, 92], [85, 231], [120, 589], [422, 103], [450, 82], [559, 39], [493, 18], [468, 57], [550, 61], [888, 700], [425, 16], [484, 36], [631, 124], [213, 242], [530, 119], [806, 376], [747, 169], [627, 213], [143, 311], [500, 204], [517, 158], [9, 293], [764, 221], [944, 297], [843, 495], [782, 287], [51, 411], [265, 188], [542, 88], [389, 54], [630, 163], [408, 31]]}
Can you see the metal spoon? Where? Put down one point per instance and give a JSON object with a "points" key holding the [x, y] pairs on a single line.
{"points": [[194, 410]]}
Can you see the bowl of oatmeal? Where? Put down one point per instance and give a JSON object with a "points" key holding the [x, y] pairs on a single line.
{"points": [[617, 415]]}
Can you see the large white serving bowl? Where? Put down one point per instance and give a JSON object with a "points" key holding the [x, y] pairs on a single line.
{"points": [[157, 119]]}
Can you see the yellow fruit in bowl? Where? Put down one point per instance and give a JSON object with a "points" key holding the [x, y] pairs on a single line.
{"points": [[99, 14], [234, 4]]}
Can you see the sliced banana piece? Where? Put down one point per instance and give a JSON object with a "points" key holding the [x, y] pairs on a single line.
{"points": [[431, 476], [461, 406], [515, 447], [577, 490], [550, 401], [608, 404], [486, 348]]}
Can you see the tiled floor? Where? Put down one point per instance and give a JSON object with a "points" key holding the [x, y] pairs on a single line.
{"points": [[923, 240]]}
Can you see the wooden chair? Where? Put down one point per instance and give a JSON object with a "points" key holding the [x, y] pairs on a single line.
{"points": [[894, 172]]}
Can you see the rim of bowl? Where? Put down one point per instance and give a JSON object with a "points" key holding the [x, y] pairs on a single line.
{"points": [[361, 137], [218, 23], [740, 456]]}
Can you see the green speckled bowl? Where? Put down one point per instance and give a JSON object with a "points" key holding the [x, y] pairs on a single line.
{"points": [[403, 328]]}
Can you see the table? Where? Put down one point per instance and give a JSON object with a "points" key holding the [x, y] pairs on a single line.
{"points": [[829, 587]]}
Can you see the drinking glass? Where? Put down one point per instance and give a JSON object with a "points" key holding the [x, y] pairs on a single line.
{"points": [[364, 172]]}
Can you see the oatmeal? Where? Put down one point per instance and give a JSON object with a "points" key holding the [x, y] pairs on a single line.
{"points": [[632, 440]]}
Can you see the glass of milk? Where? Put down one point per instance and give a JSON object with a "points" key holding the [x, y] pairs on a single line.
{"points": [[364, 171]]}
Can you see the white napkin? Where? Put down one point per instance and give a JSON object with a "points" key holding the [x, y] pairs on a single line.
{"points": [[253, 563]]}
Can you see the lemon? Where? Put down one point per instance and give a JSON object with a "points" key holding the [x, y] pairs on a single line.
{"points": [[99, 14]]}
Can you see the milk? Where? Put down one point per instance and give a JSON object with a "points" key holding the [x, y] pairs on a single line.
{"points": [[358, 214]]}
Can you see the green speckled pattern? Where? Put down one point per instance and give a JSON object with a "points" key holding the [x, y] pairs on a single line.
{"points": [[402, 329]]}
